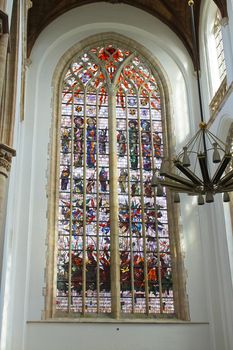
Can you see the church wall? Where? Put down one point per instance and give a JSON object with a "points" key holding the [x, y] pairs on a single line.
{"points": [[117, 336], [30, 207], [219, 243]]}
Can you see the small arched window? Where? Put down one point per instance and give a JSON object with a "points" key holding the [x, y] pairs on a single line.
{"points": [[113, 251]]}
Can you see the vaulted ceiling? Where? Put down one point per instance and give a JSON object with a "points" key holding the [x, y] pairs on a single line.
{"points": [[174, 13]]}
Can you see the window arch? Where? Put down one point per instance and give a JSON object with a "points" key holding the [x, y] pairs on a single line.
{"points": [[217, 30], [113, 251], [213, 47]]}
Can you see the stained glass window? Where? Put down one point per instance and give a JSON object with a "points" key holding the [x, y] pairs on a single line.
{"points": [[113, 245]]}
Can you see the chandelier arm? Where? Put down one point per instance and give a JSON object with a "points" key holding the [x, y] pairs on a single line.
{"points": [[217, 139], [226, 189], [211, 140], [203, 165], [179, 179], [176, 187], [226, 179], [198, 147], [222, 166], [199, 142], [188, 173], [193, 139], [228, 186]]}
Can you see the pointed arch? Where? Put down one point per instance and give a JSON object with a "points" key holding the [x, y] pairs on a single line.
{"points": [[128, 96]]}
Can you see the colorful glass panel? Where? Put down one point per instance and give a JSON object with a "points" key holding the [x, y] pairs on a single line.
{"points": [[84, 237], [145, 261]]}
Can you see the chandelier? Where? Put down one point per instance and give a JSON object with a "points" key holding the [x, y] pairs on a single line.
{"points": [[191, 170]]}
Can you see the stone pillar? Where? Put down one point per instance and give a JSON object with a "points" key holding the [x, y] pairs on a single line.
{"points": [[6, 154], [3, 55], [3, 52], [2, 5]]}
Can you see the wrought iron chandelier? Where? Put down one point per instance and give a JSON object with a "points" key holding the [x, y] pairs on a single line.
{"points": [[190, 171]]}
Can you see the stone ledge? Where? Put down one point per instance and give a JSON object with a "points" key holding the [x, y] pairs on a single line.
{"points": [[122, 321]]}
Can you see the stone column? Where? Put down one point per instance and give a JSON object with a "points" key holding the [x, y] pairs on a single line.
{"points": [[6, 154], [3, 55], [3, 52]]}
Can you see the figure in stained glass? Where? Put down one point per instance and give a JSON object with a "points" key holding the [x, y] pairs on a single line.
{"points": [[105, 270], [135, 190], [65, 141], [145, 124], [133, 147], [91, 215], [147, 187], [102, 140], [91, 146], [157, 144], [65, 178], [90, 184], [78, 148], [122, 180], [103, 176], [66, 212], [78, 184], [78, 160], [147, 163], [121, 139]]}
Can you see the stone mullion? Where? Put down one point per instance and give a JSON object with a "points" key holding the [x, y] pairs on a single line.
{"points": [[130, 211], [71, 207], [84, 274], [97, 205], [113, 192]]}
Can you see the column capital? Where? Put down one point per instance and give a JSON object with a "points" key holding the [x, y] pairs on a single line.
{"points": [[29, 4], [224, 21], [6, 154]]}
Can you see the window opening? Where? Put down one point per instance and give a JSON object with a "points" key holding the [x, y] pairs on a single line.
{"points": [[113, 247], [219, 46]]}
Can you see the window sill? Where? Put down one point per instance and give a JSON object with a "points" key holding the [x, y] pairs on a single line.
{"points": [[114, 321]]}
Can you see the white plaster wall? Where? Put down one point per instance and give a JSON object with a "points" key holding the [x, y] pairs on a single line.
{"points": [[115, 337], [218, 243], [30, 224]]}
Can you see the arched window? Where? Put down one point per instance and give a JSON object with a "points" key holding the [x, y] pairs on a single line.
{"points": [[213, 47], [219, 46], [113, 252]]}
